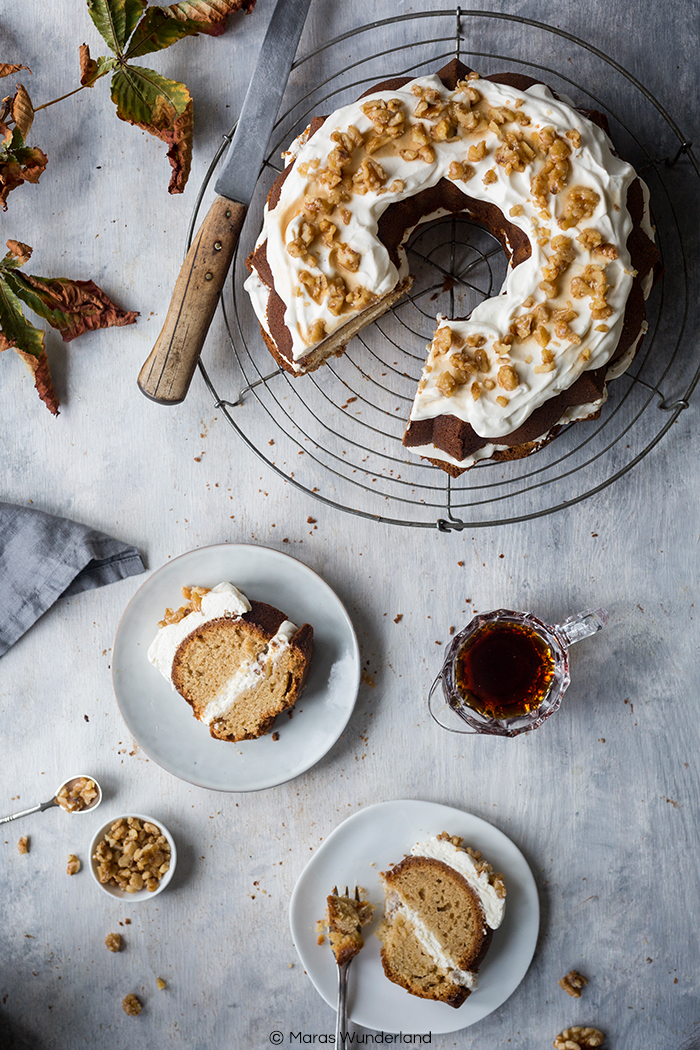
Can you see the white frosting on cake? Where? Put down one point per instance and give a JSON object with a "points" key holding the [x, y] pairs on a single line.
{"points": [[443, 850], [249, 674], [592, 166], [222, 600]]}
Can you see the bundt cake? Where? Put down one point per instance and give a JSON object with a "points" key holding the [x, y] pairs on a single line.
{"points": [[442, 904], [237, 663], [508, 153]]}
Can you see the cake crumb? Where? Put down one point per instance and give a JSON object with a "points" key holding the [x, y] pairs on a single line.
{"points": [[74, 865], [131, 1005], [398, 618], [310, 520], [161, 984], [321, 939], [113, 942], [23, 844], [275, 736]]}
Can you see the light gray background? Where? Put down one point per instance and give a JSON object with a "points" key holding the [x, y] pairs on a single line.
{"points": [[602, 800]]}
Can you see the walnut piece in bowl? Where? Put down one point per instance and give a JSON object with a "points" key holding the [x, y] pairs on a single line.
{"points": [[133, 857]]}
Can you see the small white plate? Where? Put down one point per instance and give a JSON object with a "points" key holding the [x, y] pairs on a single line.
{"points": [[162, 722], [138, 895], [372, 841]]}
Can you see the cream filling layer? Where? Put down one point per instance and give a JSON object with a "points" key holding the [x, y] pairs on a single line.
{"points": [[249, 675], [432, 947], [223, 600], [458, 859], [593, 165]]}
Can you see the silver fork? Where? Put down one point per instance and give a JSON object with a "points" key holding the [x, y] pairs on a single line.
{"points": [[341, 1022]]}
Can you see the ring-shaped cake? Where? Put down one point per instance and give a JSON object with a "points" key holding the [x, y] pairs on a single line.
{"points": [[539, 174]]}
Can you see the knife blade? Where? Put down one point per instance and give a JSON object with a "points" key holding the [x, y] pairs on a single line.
{"points": [[167, 372]]}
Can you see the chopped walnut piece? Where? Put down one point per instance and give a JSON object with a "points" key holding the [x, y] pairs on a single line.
{"points": [[23, 844], [508, 377], [360, 297], [133, 855], [446, 384], [369, 177], [575, 137], [477, 152], [160, 984], [490, 177], [131, 1005], [347, 258], [460, 172], [578, 1038], [589, 238], [552, 175], [335, 299], [580, 203], [541, 335], [442, 340], [113, 941], [517, 209], [74, 865], [476, 390], [502, 401], [572, 983], [80, 794], [594, 283]]}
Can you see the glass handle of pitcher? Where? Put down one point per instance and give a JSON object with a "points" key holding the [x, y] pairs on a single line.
{"points": [[581, 625]]}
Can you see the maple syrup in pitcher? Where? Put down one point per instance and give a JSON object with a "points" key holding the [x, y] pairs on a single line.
{"points": [[504, 670]]}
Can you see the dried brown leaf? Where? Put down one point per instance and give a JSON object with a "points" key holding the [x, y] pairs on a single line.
{"points": [[38, 368], [22, 110], [88, 66], [73, 307], [7, 69], [180, 151], [22, 252]]}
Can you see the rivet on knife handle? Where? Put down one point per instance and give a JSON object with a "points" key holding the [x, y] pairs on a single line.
{"points": [[168, 370]]}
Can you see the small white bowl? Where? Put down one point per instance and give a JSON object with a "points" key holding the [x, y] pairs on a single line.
{"points": [[139, 895]]}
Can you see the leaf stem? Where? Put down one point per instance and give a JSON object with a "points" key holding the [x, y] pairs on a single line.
{"points": [[55, 100]]}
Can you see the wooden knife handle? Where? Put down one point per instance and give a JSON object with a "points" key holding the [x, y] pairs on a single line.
{"points": [[168, 370]]}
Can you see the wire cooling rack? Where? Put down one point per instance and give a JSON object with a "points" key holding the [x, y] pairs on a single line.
{"points": [[336, 433]]}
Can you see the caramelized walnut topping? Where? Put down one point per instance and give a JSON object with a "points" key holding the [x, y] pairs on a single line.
{"points": [[564, 254], [476, 390], [580, 203], [336, 295], [502, 401], [316, 332], [446, 384], [193, 597], [347, 258], [369, 177], [572, 983], [360, 297], [443, 339], [517, 209], [594, 283], [489, 384], [490, 177], [316, 287], [508, 377], [466, 88], [574, 137], [552, 175], [515, 153], [349, 140], [460, 172], [477, 152]]}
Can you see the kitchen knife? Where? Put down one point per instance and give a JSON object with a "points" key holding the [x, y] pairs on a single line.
{"points": [[168, 370]]}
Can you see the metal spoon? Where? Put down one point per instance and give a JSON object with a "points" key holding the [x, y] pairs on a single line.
{"points": [[54, 801]]}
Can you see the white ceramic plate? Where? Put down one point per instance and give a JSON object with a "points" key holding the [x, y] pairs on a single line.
{"points": [[371, 841], [162, 722]]}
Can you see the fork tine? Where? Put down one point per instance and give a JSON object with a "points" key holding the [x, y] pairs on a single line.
{"points": [[335, 891], [357, 893], [347, 892]]}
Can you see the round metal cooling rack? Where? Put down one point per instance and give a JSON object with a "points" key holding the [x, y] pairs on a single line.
{"points": [[336, 433]]}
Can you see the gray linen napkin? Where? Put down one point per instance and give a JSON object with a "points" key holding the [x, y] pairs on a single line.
{"points": [[43, 558]]}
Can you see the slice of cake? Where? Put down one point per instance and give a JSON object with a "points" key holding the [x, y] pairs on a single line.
{"points": [[345, 917], [238, 663], [441, 906]]}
